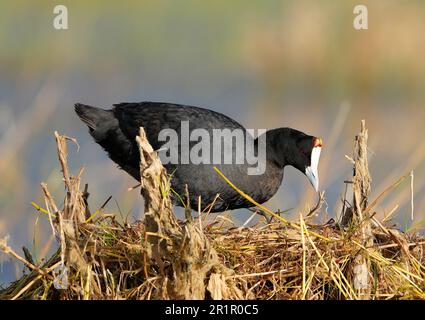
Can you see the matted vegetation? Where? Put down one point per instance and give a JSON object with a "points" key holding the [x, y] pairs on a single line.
{"points": [[210, 257]]}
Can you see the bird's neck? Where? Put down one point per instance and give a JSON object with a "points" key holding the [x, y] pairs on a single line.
{"points": [[276, 145]]}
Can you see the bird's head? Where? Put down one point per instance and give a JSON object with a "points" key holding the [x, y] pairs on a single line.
{"points": [[308, 162], [299, 150]]}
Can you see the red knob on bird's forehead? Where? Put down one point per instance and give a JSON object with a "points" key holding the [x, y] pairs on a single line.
{"points": [[317, 142]]}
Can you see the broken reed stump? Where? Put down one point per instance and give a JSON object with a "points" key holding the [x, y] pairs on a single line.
{"points": [[356, 216], [189, 265], [67, 222]]}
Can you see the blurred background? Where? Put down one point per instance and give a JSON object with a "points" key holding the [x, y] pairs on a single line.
{"points": [[266, 64]]}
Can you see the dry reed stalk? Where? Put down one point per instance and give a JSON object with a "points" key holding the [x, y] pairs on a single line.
{"points": [[193, 261], [73, 214], [357, 216]]}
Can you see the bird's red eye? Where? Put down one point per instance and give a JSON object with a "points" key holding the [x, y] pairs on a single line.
{"points": [[317, 142]]}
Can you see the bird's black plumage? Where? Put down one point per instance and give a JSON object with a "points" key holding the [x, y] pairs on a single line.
{"points": [[116, 129]]}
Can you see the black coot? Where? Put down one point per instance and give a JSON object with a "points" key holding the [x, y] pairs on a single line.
{"points": [[116, 129]]}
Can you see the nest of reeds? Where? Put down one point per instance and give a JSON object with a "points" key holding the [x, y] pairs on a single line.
{"points": [[211, 257]]}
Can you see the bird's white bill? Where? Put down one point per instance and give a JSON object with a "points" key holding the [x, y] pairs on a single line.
{"points": [[311, 171]]}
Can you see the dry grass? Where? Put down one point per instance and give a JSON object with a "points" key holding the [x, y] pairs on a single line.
{"points": [[210, 257]]}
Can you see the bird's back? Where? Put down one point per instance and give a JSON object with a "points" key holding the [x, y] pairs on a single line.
{"points": [[156, 116], [201, 179]]}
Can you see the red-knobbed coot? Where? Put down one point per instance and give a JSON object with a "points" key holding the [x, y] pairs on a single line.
{"points": [[197, 132]]}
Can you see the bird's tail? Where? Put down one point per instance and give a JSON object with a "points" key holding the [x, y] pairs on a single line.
{"points": [[92, 116]]}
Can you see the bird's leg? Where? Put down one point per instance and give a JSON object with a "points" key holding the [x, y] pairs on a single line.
{"points": [[263, 214], [187, 208], [86, 195], [28, 256]]}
